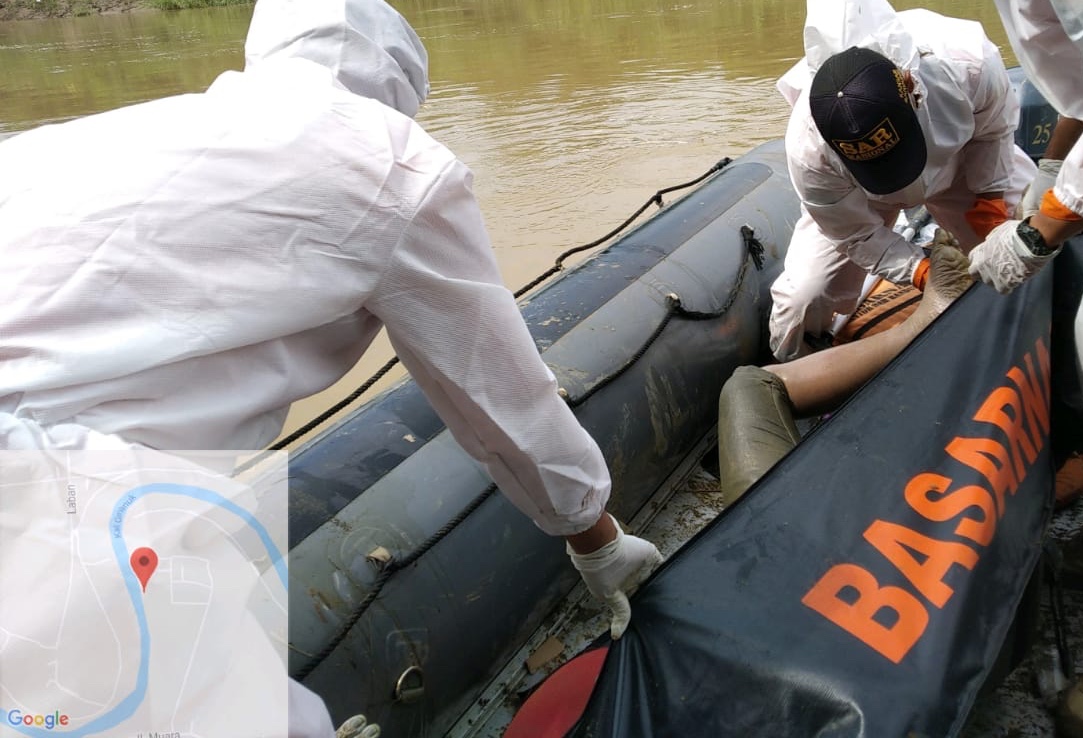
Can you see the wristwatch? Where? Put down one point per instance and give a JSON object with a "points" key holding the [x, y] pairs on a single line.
{"points": [[1033, 239]]}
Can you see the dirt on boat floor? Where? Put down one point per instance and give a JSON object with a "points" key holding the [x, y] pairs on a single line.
{"points": [[30, 9], [1017, 708]]}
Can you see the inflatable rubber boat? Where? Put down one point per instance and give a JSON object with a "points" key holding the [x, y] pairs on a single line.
{"points": [[412, 582]]}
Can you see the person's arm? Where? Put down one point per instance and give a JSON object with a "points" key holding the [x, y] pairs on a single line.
{"points": [[1060, 216], [841, 209], [459, 332], [1064, 136], [987, 159], [1006, 259], [1060, 209]]}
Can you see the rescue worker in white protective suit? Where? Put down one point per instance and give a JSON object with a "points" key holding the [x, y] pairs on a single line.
{"points": [[890, 111], [177, 273], [1047, 37]]}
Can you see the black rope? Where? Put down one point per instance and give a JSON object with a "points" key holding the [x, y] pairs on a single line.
{"points": [[389, 569], [755, 248], [655, 199], [674, 309], [315, 422], [559, 266]]}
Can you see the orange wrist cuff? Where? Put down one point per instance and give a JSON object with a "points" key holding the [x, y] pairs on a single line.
{"points": [[921, 273], [1053, 208], [986, 215]]}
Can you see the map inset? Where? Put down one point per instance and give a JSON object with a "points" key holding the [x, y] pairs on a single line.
{"points": [[142, 595]]}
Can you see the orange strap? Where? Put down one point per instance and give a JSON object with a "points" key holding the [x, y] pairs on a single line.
{"points": [[1055, 209], [986, 215], [1068, 483], [921, 273]]}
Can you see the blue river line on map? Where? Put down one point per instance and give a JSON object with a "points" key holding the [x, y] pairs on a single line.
{"points": [[127, 707]]}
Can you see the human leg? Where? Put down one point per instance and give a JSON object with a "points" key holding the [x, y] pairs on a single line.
{"points": [[819, 382], [755, 428], [757, 406]]}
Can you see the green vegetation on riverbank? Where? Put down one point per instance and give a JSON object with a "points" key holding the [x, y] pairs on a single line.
{"points": [[28, 9], [181, 4]]}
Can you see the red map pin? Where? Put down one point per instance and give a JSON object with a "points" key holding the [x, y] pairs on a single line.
{"points": [[144, 562]]}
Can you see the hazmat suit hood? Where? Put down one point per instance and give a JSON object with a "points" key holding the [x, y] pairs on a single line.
{"points": [[368, 46], [831, 27]]}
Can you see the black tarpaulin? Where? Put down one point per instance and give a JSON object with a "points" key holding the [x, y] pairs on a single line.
{"points": [[865, 585]]}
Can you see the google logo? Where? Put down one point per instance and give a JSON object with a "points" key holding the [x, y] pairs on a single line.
{"points": [[16, 717]]}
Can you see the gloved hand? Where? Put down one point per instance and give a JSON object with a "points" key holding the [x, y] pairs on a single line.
{"points": [[1048, 169], [614, 571], [1003, 261], [358, 727]]}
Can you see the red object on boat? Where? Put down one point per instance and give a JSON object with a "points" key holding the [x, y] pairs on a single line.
{"points": [[556, 706]]}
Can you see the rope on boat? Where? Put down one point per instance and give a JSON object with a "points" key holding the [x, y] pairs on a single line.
{"points": [[655, 199], [676, 310], [387, 571]]}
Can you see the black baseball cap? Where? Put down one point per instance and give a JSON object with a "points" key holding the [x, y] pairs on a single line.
{"points": [[862, 108]]}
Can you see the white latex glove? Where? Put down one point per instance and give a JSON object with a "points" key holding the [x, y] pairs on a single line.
{"points": [[614, 571], [1003, 261], [1048, 169], [358, 727]]}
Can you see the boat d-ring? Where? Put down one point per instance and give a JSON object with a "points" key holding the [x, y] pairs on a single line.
{"points": [[411, 685]]}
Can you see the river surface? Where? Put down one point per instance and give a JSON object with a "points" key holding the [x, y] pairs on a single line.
{"points": [[570, 113]]}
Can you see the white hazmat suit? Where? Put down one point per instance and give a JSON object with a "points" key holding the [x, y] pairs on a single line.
{"points": [[968, 115], [178, 272]]}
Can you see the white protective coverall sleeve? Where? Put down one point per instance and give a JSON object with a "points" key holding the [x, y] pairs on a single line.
{"points": [[460, 333], [1069, 187], [988, 155], [308, 716]]}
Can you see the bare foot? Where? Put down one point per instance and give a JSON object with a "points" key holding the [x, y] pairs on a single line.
{"points": [[948, 278]]}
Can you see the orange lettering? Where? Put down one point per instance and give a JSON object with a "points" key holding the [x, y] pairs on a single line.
{"points": [[897, 542], [980, 454], [858, 617], [927, 494], [1035, 401], [994, 411]]}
